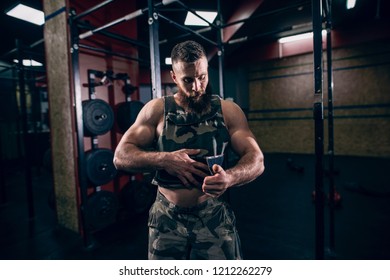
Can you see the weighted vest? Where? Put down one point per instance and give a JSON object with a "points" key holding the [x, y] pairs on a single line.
{"points": [[183, 130]]}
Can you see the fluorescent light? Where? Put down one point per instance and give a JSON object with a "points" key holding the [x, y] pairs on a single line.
{"points": [[168, 61], [351, 4], [29, 62], [27, 13], [298, 37], [192, 19]]}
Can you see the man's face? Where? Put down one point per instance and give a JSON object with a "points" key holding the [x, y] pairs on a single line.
{"points": [[191, 80]]}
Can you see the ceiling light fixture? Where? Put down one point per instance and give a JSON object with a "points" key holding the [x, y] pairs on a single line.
{"points": [[192, 19], [27, 13], [168, 61], [298, 37], [29, 62], [351, 4]]}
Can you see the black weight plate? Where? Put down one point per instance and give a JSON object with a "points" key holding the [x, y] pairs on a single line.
{"points": [[144, 197], [102, 209], [98, 117], [127, 113], [99, 166], [137, 197]]}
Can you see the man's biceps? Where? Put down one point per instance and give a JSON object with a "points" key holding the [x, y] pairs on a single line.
{"points": [[140, 135], [244, 143]]}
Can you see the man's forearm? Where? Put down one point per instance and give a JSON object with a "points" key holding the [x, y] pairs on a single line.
{"points": [[248, 168], [133, 159]]}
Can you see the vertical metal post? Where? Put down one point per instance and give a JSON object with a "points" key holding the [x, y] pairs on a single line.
{"points": [[155, 70], [2, 176], [82, 174], [23, 105], [220, 52], [318, 114], [3, 195], [330, 125]]}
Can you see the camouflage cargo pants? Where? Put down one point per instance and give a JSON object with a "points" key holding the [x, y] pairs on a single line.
{"points": [[206, 231]]}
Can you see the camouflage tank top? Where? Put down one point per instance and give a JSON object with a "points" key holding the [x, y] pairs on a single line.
{"points": [[183, 130]]}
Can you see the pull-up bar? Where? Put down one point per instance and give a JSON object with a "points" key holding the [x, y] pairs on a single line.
{"points": [[97, 7], [100, 50], [203, 30], [248, 38], [113, 35], [130, 16], [127, 17]]}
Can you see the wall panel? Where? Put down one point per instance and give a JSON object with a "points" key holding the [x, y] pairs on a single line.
{"points": [[281, 99]]}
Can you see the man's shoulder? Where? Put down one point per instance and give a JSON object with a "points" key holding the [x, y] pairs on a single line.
{"points": [[228, 103], [154, 108], [155, 102]]}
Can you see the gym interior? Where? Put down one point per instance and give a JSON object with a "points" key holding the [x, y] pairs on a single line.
{"points": [[318, 106]]}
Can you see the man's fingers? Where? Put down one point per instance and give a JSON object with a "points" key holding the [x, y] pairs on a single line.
{"points": [[191, 152], [211, 194], [183, 180], [201, 166], [217, 168]]}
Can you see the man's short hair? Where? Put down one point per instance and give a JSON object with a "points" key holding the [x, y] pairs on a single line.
{"points": [[188, 51]]}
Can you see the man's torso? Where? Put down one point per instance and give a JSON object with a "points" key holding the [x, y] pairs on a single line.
{"points": [[175, 132]]}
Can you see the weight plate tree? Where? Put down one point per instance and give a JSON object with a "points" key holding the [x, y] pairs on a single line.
{"points": [[98, 119]]}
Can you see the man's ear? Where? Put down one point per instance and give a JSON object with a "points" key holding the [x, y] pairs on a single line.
{"points": [[173, 76]]}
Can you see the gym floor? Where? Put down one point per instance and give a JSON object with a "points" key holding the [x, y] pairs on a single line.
{"points": [[275, 216]]}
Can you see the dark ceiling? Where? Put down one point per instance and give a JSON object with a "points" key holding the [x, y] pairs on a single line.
{"points": [[265, 20], [13, 29]]}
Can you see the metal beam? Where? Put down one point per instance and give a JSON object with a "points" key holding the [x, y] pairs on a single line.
{"points": [[318, 114], [221, 54], [24, 133], [332, 189], [244, 11], [186, 29], [82, 177], [91, 10], [155, 69], [127, 17]]}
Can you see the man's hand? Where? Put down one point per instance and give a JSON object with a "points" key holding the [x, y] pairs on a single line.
{"points": [[180, 164], [216, 184]]}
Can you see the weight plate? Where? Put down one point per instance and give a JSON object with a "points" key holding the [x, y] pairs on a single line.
{"points": [[98, 117], [102, 209], [127, 113], [137, 197], [99, 166]]}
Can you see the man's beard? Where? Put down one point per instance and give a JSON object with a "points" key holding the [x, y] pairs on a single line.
{"points": [[199, 105]]}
